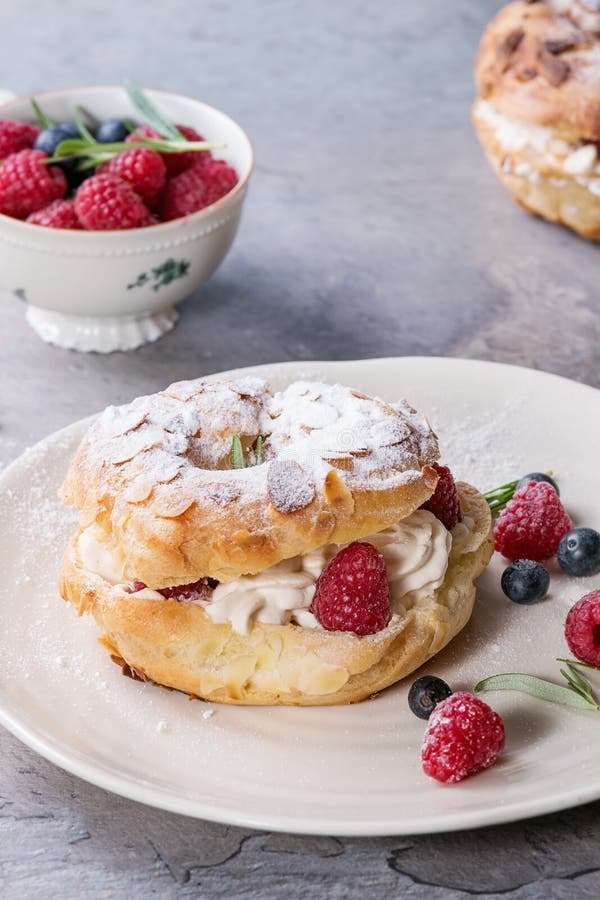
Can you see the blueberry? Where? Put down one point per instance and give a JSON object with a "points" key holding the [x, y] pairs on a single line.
{"points": [[525, 581], [111, 131], [579, 552], [425, 694], [49, 139], [537, 476]]}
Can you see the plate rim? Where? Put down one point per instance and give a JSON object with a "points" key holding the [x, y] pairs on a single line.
{"points": [[157, 797]]}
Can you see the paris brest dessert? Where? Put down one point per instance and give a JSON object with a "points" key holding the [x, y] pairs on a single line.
{"points": [[537, 114], [252, 546]]}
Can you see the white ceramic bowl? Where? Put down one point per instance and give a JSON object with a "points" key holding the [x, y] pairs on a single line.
{"points": [[116, 290]]}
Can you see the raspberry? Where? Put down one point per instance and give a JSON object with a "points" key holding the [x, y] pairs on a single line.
{"points": [[60, 214], [582, 629], [180, 162], [104, 203], [143, 131], [221, 176], [176, 162], [140, 167], [464, 736], [537, 476], [352, 592], [16, 136], [196, 188], [27, 185], [532, 523], [444, 502], [197, 590]]}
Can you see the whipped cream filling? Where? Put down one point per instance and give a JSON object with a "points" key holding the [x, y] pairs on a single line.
{"points": [[579, 159], [275, 595], [98, 556], [415, 550], [416, 556]]}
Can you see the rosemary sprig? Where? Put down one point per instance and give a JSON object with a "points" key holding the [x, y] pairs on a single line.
{"points": [[498, 497], [578, 683], [89, 155], [237, 453], [40, 115], [255, 454], [86, 135], [578, 663], [151, 114], [579, 692], [258, 450]]}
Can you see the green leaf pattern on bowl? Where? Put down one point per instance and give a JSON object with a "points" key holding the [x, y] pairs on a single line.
{"points": [[160, 276]]}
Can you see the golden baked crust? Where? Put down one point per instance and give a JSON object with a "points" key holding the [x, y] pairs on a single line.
{"points": [[540, 184], [154, 476], [177, 645], [544, 67]]}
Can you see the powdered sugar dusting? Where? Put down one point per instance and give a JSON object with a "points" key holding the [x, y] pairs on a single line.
{"points": [[191, 423], [475, 447], [323, 426], [168, 447], [288, 486]]}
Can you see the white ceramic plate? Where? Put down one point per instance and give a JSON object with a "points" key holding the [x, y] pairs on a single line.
{"points": [[342, 770]]}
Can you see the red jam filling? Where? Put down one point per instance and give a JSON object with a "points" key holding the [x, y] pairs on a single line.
{"points": [[196, 590]]}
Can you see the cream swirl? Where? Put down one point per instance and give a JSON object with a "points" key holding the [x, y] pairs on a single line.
{"points": [[416, 556], [272, 596], [415, 551]]}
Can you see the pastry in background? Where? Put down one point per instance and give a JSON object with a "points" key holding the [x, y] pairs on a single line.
{"points": [[537, 113]]}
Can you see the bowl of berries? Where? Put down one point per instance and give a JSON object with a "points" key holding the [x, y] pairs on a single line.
{"points": [[115, 204]]}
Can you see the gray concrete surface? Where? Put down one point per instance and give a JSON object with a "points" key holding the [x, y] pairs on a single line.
{"points": [[373, 228]]}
